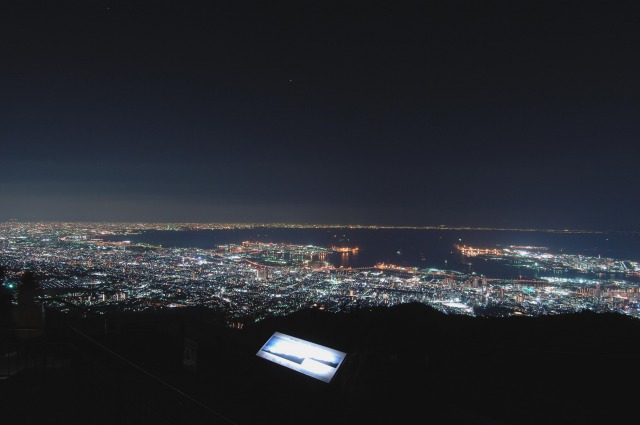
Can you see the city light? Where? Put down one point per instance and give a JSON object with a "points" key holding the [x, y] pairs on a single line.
{"points": [[80, 264]]}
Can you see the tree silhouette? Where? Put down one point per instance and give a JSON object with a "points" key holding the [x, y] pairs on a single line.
{"points": [[28, 289], [5, 297]]}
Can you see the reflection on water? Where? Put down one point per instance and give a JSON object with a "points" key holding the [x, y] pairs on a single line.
{"points": [[407, 247], [346, 259]]}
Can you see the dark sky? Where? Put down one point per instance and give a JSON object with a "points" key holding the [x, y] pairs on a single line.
{"points": [[514, 113]]}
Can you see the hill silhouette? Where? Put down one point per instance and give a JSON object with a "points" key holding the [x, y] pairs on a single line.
{"points": [[403, 363]]}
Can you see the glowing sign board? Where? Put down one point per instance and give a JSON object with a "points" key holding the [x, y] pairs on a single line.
{"points": [[302, 356]]}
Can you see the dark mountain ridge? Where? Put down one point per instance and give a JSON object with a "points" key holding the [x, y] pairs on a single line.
{"points": [[404, 363]]}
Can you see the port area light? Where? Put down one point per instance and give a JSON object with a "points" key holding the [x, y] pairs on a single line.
{"points": [[308, 358]]}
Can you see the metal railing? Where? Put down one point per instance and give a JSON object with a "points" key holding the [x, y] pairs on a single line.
{"points": [[99, 383], [23, 349]]}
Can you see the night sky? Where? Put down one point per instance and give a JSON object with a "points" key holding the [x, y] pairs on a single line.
{"points": [[514, 113]]}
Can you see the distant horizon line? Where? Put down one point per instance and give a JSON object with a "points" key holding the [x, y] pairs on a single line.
{"points": [[213, 225]]}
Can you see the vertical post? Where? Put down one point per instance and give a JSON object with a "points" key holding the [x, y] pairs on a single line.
{"points": [[118, 403], [44, 363], [179, 413]]}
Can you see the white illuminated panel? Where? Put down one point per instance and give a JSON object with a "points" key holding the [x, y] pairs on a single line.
{"points": [[311, 359]]}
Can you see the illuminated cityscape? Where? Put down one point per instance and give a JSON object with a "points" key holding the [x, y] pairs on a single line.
{"points": [[79, 268], [310, 212]]}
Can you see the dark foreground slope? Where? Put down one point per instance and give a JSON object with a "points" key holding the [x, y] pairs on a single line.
{"points": [[411, 361], [405, 364]]}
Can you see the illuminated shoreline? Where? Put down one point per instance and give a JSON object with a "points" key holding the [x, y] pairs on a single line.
{"points": [[132, 226]]}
